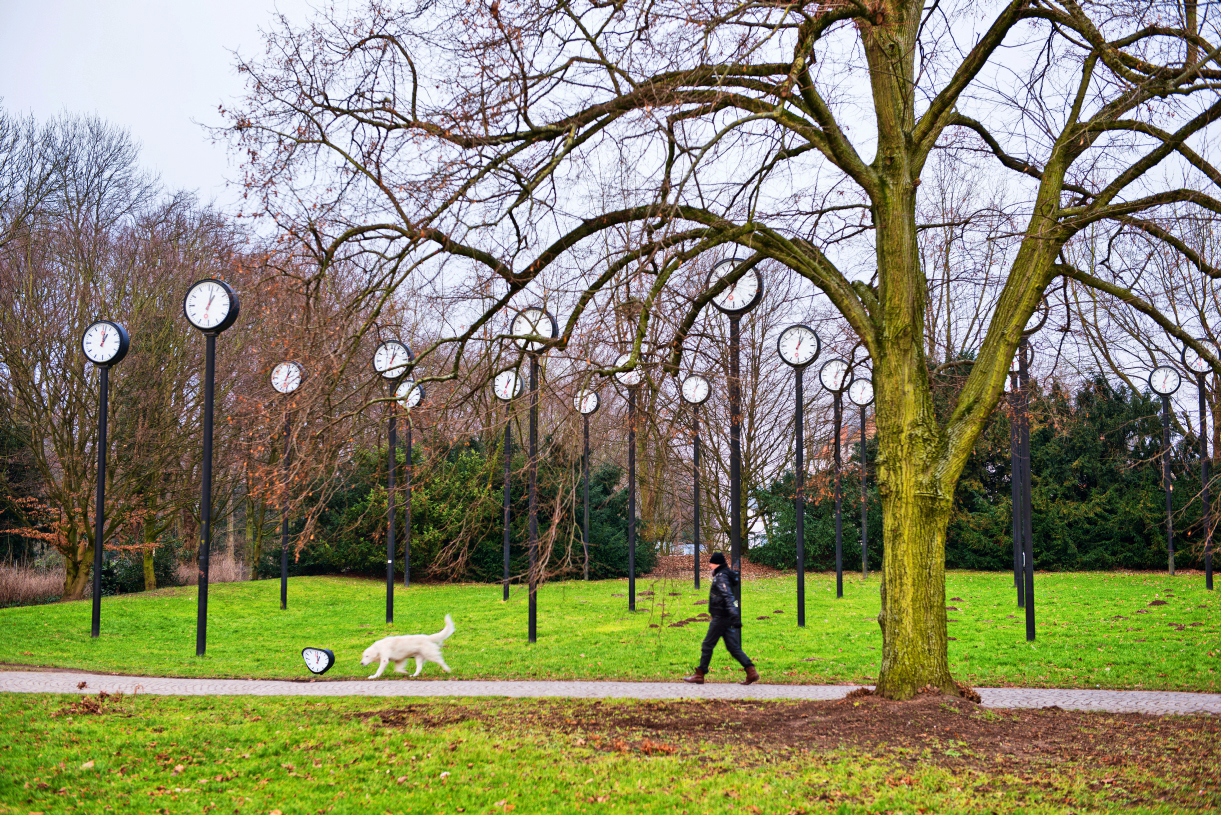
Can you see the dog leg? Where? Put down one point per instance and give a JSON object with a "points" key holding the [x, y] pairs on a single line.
{"points": [[400, 666], [419, 666], [380, 668], [444, 667]]}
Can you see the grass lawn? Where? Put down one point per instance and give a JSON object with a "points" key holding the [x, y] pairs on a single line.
{"points": [[277, 755], [1104, 630]]}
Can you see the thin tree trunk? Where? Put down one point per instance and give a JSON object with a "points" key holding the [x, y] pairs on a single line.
{"points": [[150, 543]]}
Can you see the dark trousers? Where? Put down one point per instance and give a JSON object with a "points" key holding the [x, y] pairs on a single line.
{"points": [[722, 628]]}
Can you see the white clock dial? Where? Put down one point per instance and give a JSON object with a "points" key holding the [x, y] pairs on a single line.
{"points": [[318, 660], [1165, 380], [409, 393], [798, 345], [635, 375], [507, 385], [104, 343], [1194, 361], [861, 392], [696, 389], [586, 402], [286, 377], [742, 294], [834, 375], [533, 322], [391, 359], [210, 305]]}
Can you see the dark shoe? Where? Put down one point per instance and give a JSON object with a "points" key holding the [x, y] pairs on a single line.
{"points": [[697, 678], [752, 675]]}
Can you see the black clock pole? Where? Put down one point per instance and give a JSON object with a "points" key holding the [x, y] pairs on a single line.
{"points": [[284, 522], [799, 482], [391, 538], [1166, 482], [533, 632], [1015, 490], [839, 498], [508, 461], [735, 450], [585, 486], [631, 498], [864, 502], [1204, 467], [99, 503], [1027, 486], [205, 507], [695, 497], [407, 509]]}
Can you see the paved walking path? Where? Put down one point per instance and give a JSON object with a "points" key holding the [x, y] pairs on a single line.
{"points": [[1115, 701]]}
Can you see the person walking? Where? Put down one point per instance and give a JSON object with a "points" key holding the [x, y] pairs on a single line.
{"points": [[726, 622]]}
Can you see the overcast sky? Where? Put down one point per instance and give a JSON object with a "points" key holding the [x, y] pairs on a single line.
{"points": [[159, 68]]}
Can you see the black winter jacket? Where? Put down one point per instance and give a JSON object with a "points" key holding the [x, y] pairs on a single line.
{"points": [[721, 599]]}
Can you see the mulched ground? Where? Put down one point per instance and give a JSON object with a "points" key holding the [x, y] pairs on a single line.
{"points": [[1122, 751], [679, 567]]}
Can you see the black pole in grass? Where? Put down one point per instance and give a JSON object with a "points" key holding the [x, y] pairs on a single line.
{"points": [[1015, 489], [1204, 474], [391, 537], [1024, 461], [211, 306], [836, 375], [506, 386], [285, 378], [695, 391], [586, 402], [533, 622], [105, 343], [860, 392], [798, 346], [1165, 381]]}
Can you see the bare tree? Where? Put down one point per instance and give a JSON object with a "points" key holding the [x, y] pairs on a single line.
{"points": [[501, 152]]}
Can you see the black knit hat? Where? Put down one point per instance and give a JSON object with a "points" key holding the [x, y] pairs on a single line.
{"points": [[718, 558]]}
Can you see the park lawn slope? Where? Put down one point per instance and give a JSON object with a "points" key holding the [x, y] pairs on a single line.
{"points": [[87, 754], [1105, 630]]}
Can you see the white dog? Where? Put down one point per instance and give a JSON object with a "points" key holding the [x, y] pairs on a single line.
{"points": [[421, 647]]}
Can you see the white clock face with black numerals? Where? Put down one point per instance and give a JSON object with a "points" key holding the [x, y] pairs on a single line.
{"points": [[740, 295], [104, 343], [1194, 362], [533, 322], [409, 393], [1165, 380], [391, 359], [696, 390], [798, 345], [286, 377], [210, 305], [835, 374], [635, 375], [586, 402], [860, 392], [318, 660], [507, 385]]}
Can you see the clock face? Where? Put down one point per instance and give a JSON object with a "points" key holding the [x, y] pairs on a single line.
{"points": [[798, 345], [635, 375], [318, 660], [211, 305], [834, 375], [696, 389], [861, 391], [409, 393], [104, 343], [1194, 361], [533, 322], [507, 385], [1165, 380], [741, 295], [586, 402], [286, 377], [391, 359]]}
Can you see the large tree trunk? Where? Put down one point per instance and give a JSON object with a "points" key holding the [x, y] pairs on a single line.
{"points": [[150, 544], [78, 563]]}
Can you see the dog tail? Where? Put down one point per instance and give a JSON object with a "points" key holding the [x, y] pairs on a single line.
{"points": [[444, 633]]}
